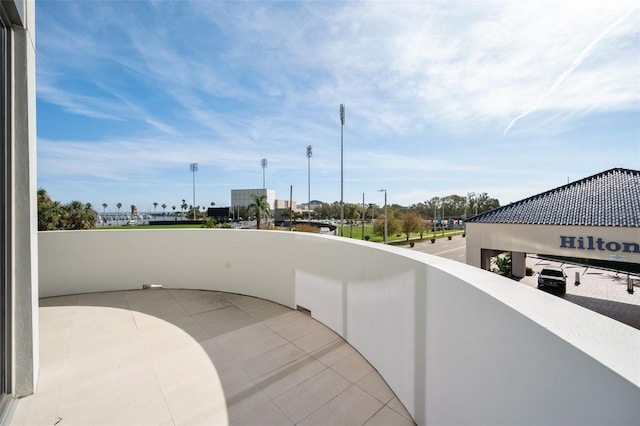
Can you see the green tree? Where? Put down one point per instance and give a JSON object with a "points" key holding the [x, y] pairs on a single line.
{"points": [[154, 207], [104, 208], [410, 223], [54, 216], [164, 209], [80, 216], [51, 215], [393, 225], [260, 206]]}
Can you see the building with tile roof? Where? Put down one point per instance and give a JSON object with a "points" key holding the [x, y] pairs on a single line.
{"points": [[597, 217]]}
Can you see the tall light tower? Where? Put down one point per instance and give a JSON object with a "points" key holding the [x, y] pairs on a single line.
{"points": [[342, 170], [385, 213], [194, 168], [309, 154], [263, 163]]}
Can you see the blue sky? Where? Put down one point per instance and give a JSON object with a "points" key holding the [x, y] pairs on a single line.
{"points": [[509, 98]]}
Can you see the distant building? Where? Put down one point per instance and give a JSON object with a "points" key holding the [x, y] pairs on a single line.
{"points": [[282, 208], [314, 204], [243, 197]]}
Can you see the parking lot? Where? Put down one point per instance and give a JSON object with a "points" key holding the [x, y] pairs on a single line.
{"points": [[599, 290]]}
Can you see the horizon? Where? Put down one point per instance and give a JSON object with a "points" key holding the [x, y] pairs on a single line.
{"points": [[441, 98]]}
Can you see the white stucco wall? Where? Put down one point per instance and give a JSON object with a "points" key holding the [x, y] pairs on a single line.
{"points": [[546, 239], [458, 345]]}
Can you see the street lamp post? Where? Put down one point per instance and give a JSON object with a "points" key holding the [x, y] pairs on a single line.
{"points": [[263, 163], [194, 168], [364, 215], [309, 154], [342, 170], [385, 213]]}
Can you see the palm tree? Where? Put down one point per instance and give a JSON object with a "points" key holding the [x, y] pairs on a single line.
{"points": [[118, 206], [174, 209], [104, 208], [260, 206], [164, 209], [184, 205], [154, 207]]}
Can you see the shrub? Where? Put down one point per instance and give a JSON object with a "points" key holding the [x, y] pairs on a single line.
{"points": [[307, 228]]}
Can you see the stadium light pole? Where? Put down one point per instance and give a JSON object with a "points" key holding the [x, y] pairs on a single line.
{"points": [[194, 168], [385, 213], [263, 163], [309, 154], [342, 170]]}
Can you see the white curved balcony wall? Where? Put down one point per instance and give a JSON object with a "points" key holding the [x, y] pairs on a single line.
{"points": [[458, 345]]}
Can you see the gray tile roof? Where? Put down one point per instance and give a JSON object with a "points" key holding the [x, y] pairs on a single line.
{"points": [[609, 198]]}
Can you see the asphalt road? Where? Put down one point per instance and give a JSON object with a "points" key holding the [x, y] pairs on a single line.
{"points": [[454, 249]]}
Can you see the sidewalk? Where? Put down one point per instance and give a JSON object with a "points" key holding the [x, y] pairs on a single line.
{"points": [[599, 290]]}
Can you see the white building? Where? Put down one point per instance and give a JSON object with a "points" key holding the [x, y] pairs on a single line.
{"points": [[244, 197], [597, 217]]}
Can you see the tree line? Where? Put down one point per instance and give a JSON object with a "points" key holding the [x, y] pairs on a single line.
{"points": [[450, 207], [55, 216]]}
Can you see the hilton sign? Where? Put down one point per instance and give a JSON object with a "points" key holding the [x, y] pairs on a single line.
{"points": [[593, 243]]}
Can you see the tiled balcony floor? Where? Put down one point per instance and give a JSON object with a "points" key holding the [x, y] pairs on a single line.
{"points": [[189, 357]]}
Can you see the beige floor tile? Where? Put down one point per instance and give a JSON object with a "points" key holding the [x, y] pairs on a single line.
{"points": [[183, 363], [333, 352], [101, 319], [113, 299], [165, 361], [161, 337], [351, 407], [164, 312], [80, 385], [310, 395], [139, 404], [193, 328], [375, 386], [397, 406], [46, 312], [272, 360], [300, 329], [257, 347], [243, 336], [233, 378], [245, 400], [36, 410], [353, 368], [289, 376], [197, 400], [199, 306], [59, 301], [386, 417], [316, 339], [286, 320], [267, 415]]}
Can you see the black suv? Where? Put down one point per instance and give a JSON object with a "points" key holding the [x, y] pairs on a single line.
{"points": [[553, 276]]}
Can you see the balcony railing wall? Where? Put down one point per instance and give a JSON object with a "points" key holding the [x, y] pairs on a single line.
{"points": [[455, 343]]}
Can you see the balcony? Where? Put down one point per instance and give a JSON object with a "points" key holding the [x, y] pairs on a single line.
{"points": [[451, 343], [198, 357]]}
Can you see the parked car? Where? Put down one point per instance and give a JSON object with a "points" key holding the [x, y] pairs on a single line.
{"points": [[553, 276]]}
